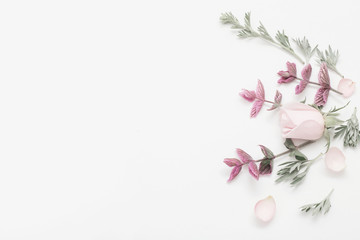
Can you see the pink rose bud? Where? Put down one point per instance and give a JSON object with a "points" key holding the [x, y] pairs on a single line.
{"points": [[300, 121], [346, 87]]}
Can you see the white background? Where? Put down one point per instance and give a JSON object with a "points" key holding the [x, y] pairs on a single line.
{"points": [[115, 117]]}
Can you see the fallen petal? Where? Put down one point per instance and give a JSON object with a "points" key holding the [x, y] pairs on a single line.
{"points": [[265, 209], [346, 87], [248, 95], [335, 159]]}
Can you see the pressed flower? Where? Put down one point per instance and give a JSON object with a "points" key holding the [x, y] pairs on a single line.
{"points": [[265, 209], [324, 81], [289, 75]]}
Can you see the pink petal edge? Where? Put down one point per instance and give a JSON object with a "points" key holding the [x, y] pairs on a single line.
{"points": [[265, 209]]}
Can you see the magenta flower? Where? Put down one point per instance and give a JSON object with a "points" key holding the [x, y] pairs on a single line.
{"points": [[306, 74], [289, 75], [258, 96], [324, 81], [237, 164]]}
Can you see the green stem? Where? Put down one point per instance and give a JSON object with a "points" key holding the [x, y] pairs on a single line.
{"points": [[318, 84], [287, 151]]}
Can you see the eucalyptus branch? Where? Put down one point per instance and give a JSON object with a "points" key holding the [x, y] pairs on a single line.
{"points": [[246, 31], [320, 207]]}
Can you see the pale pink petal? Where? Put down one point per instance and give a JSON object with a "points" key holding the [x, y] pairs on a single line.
{"points": [[248, 95], [265, 209], [308, 130], [346, 87], [231, 162], [335, 159], [256, 108], [321, 96], [236, 170], [260, 92], [253, 170], [323, 76], [244, 157]]}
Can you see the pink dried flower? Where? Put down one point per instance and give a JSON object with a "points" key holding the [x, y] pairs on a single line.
{"points": [[306, 74], [289, 75], [324, 81], [260, 99]]}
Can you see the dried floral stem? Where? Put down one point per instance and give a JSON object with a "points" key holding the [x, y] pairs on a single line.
{"points": [[318, 84], [287, 151]]}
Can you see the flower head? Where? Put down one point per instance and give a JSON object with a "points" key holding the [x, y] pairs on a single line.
{"points": [[289, 75]]}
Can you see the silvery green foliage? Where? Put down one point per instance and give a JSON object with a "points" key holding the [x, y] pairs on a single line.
{"points": [[330, 57], [350, 132], [246, 31], [305, 48], [318, 208], [294, 171]]}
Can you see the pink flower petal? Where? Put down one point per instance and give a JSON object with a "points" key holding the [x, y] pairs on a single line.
{"points": [[256, 108], [291, 68], [231, 162], [265, 209], [335, 159], [306, 72], [253, 170], [323, 76], [346, 87], [248, 95], [244, 157], [260, 92], [236, 170], [321, 96]]}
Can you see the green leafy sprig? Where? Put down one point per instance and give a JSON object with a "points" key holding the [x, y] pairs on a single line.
{"points": [[350, 132], [246, 31], [331, 58], [294, 171], [320, 207]]}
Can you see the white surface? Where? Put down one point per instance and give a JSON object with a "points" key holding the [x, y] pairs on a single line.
{"points": [[115, 117]]}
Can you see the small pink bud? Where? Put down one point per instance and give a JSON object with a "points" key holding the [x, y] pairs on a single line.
{"points": [[346, 87]]}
